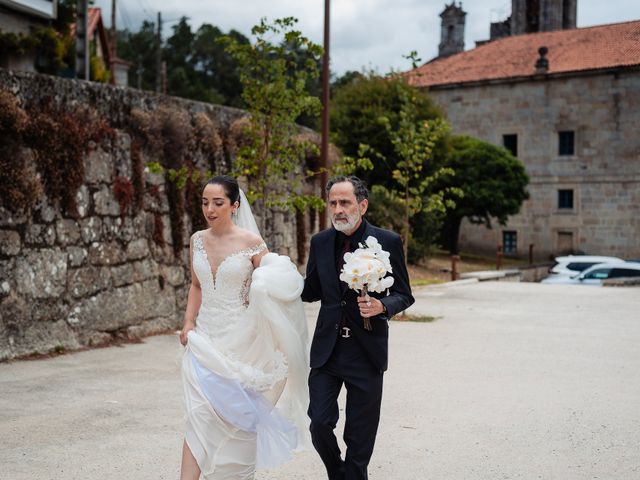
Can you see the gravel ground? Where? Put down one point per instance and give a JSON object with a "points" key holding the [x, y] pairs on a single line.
{"points": [[510, 381]]}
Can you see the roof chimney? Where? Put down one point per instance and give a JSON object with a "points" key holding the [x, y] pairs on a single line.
{"points": [[542, 64]]}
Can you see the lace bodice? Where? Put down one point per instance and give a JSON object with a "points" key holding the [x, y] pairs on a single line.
{"points": [[227, 289]]}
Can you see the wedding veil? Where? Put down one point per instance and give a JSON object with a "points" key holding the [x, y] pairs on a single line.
{"points": [[274, 301], [244, 217]]}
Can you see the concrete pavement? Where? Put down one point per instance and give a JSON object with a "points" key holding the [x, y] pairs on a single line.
{"points": [[511, 381]]}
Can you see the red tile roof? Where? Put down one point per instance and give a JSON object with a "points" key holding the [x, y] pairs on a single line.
{"points": [[94, 18], [580, 49]]}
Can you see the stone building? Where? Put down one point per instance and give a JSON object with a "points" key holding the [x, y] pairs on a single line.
{"points": [[567, 104], [530, 16], [20, 17]]}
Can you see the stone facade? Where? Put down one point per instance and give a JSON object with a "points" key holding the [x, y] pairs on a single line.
{"points": [[69, 282], [603, 174], [529, 16], [542, 15]]}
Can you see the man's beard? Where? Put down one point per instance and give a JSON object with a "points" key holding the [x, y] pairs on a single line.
{"points": [[350, 225]]}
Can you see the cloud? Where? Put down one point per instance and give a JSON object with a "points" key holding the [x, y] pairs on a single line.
{"points": [[370, 33]]}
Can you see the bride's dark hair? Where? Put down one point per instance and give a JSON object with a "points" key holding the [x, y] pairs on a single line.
{"points": [[230, 186]]}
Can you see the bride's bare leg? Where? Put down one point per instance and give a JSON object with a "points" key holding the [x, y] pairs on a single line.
{"points": [[190, 469]]}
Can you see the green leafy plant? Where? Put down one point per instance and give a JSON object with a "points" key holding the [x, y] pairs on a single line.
{"points": [[274, 80]]}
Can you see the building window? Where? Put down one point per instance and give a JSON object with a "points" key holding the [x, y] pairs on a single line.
{"points": [[509, 241], [565, 199], [566, 142], [510, 142]]}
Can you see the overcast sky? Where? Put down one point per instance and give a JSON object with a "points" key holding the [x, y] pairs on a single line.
{"points": [[371, 34]]}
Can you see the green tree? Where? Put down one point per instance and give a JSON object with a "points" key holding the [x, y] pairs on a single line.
{"points": [[140, 49], [493, 181], [356, 109], [217, 68], [367, 113], [414, 141], [274, 90]]}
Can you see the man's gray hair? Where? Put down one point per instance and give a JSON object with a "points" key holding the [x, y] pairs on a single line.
{"points": [[359, 187]]}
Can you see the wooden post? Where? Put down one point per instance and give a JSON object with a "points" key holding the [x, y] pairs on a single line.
{"points": [[531, 254], [324, 145], [82, 40], [454, 267], [113, 44], [499, 257]]}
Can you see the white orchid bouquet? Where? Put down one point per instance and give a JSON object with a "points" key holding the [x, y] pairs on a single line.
{"points": [[366, 269]]}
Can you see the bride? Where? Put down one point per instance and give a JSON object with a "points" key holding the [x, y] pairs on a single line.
{"points": [[244, 366]]}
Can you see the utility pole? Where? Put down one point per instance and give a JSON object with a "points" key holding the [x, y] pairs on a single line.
{"points": [[324, 145], [139, 71], [114, 43], [159, 55], [82, 40]]}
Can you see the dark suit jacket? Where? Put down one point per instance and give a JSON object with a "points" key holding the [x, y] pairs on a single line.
{"points": [[323, 283]]}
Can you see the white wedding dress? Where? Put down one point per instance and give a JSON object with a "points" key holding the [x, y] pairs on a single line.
{"points": [[245, 365]]}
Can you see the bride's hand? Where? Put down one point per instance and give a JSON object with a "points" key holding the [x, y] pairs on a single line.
{"points": [[188, 326]]}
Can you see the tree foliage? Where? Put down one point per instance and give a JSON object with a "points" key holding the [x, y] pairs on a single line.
{"points": [[414, 177], [376, 122], [358, 104], [274, 78], [198, 67], [493, 181]]}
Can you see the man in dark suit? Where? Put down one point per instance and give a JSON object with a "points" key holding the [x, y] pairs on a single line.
{"points": [[343, 352]]}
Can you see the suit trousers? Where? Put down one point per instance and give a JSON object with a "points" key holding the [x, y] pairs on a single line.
{"points": [[348, 365]]}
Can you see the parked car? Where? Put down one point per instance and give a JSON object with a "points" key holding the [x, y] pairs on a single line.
{"points": [[596, 274], [572, 265]]}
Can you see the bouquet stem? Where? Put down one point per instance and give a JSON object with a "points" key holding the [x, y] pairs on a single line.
{"points": [[366, 321]]}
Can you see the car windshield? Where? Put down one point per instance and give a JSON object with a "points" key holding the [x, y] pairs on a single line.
{"points": [[580, 266]]}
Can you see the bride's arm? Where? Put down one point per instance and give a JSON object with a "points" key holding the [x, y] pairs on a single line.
{"points": [[193, 302]]}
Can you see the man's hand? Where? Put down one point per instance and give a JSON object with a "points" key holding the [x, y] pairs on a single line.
{"points": [[370, 308]]}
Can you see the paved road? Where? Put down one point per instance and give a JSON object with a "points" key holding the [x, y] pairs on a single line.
{"points": [[512, 381]]}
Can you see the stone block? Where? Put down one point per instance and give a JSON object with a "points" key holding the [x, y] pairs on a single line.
{"points": [[123, 307], [91, 229], [98, 167], [138, 249], [106, 254], [42, 273], [10, 243], [39, 234], [68, 232], [105, 202], [145, 270], [9, 219], [77, 256], [122, 275], [39, 337], [154, 326], [86, 281], [175, 276], [83, 201], [118, 228]]}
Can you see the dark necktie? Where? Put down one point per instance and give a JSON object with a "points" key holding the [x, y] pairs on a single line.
{"points": [[346, 247]]}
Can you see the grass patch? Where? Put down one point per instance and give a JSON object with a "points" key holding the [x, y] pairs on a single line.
{"points": [[421, 282], [415, 318]]}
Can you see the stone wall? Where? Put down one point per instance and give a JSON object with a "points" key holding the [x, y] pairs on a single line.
{"points": [[604, 173], [67, 282]]}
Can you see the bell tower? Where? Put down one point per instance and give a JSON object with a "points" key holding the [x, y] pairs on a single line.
{"points": [[452, 30], [529, 16]]}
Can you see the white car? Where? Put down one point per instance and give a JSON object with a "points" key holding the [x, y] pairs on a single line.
{"points": [[572, 265], [597, 273]]}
